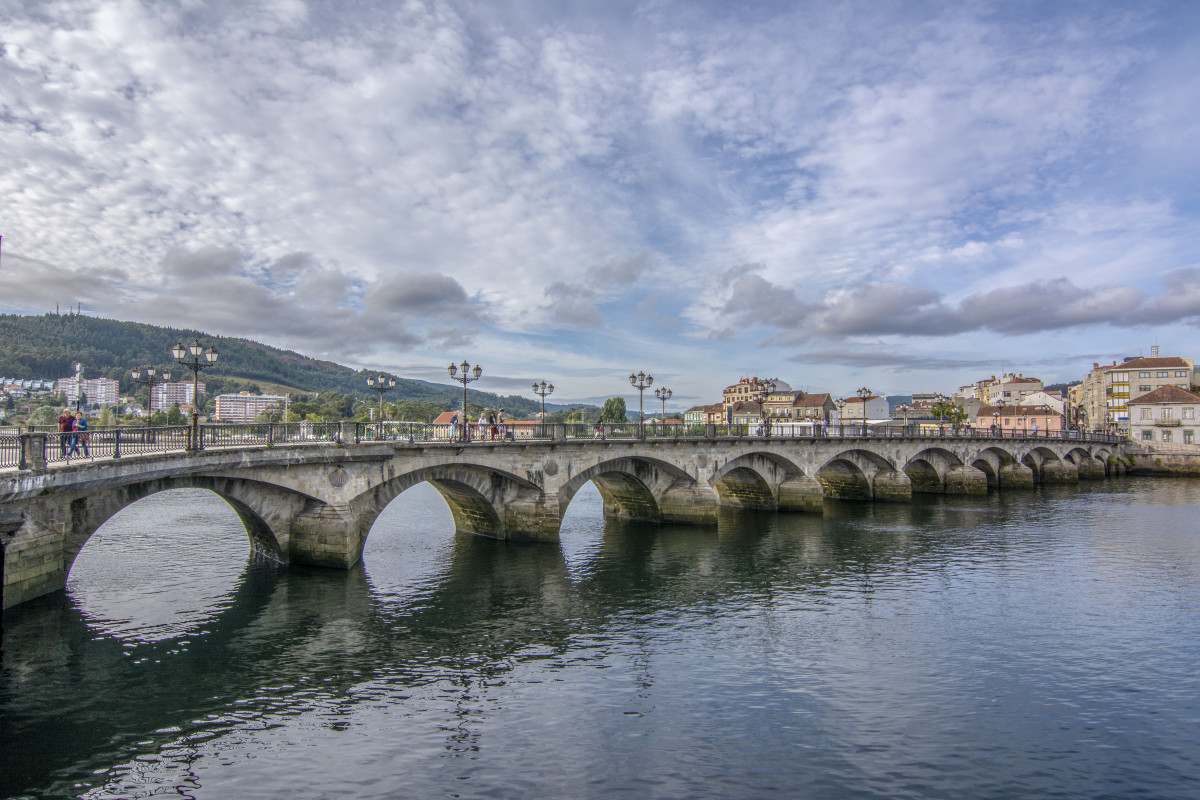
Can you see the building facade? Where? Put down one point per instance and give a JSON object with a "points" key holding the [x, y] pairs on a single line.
{"points": [[858, 408], [1026, 419], [180, 393], [1107, 389], [244, 407], [1167, 414], [97, 391]]}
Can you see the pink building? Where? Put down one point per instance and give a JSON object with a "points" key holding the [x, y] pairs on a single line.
{"points": [[1018, 418]]}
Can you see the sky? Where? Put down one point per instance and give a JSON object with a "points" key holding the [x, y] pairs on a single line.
{"points": [[904, 196]]}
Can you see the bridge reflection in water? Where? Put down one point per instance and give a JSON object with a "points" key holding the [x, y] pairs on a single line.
{"points": [[314, 503], [446, 631]]}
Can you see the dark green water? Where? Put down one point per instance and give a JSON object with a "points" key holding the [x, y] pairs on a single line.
{"points": [[1042, 644]]}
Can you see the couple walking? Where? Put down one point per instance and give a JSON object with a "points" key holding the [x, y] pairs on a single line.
{"points": [[72, 433]]}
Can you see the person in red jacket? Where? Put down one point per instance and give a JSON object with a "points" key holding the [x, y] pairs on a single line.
{"points": [[66, 424]]}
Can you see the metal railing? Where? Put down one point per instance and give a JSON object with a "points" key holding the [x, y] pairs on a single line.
{"points": [[10, 450], [120, 441]]}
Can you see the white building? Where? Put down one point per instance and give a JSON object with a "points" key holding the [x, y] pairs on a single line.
{"points": [[244, 407], [872, 407], [98, 391], [181, 393], [1167, 414]]}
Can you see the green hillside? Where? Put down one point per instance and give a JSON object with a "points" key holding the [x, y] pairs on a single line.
{"points": [[50, 345]]}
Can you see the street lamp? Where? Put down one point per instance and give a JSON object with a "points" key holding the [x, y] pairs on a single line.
{"points": [[999, 415], [381, 385], [863, 393], [764, 390], [641, 381], [664, 394], [196, 350], [469, 374], [904, 408], [542, 389], [152, 379]]}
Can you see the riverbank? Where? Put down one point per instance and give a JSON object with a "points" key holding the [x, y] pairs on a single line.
{"points": [[1162, 459]]}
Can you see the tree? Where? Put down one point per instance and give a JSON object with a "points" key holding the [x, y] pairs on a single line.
{"points": [[107, 417], [175, 416], [951, 412], [614, 410], [46, 415]]}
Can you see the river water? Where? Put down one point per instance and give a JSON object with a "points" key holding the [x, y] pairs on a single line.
{"points": [[1041, 644]]}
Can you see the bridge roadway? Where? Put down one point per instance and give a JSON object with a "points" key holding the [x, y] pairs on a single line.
{"points": [[315, 503]]}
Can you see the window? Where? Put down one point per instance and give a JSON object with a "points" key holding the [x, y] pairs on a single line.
{"points": [[1181, 373], [1189, 437], [1168, 413], [1143, 374], [1162, 374], [1189, 412], [1166, 436], [1144, 388], [1147, 413], [1148, 435]]}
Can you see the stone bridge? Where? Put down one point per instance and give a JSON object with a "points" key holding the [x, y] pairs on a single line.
{"points": [[315, 504]]}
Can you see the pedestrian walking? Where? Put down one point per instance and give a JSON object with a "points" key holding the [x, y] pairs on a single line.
{"points": [[500, 422], [79, 435], [492, 424], [66, 421]]}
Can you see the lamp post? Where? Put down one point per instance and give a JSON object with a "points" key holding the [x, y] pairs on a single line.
{"points": [[663, 394], [762, 391], [863, 393], [542, 389], [641, 381], [153, 378], [381, 384], [195, 350], [999, 415], [469, 374], [841, 404], [904, 408]]}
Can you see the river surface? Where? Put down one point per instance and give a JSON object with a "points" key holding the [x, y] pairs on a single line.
{"points": [[1039, 644]]}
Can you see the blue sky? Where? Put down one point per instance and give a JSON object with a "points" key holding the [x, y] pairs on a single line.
{"points": [[907, 196]]}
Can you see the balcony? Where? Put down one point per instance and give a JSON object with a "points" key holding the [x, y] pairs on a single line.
{"points": [[1167, 423]]}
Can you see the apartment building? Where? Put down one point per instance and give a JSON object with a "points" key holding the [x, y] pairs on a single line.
{"points": [[244, 407], [181, 393], [1167, 414], [1108, 388], [98, 391]]}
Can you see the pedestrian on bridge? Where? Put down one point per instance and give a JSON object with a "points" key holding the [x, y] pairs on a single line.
{"points": [[66, 423], [79, 436]]}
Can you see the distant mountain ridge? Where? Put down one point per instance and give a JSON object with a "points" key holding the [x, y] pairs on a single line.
{"points": [[49, 346]]}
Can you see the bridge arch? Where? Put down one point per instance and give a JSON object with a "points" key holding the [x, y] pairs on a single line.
{"points": [[482, 500], [1087, 464], [264, 509], [631, 487], [992, 461], [860, 474], [755, 480], [927, 469], [1048, 466]]}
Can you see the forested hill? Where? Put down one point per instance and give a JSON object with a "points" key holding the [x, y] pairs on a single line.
{"points": [[50, 345]]}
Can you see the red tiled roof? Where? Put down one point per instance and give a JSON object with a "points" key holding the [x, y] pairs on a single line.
{"points": [[812, 400], [1147, 363], [1165, 394]]}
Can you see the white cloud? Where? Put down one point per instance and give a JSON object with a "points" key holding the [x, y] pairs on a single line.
{"points": [[381, 178]]}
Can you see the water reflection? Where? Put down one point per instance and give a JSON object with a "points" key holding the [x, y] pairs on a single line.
{"points": [[741, 660]]}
